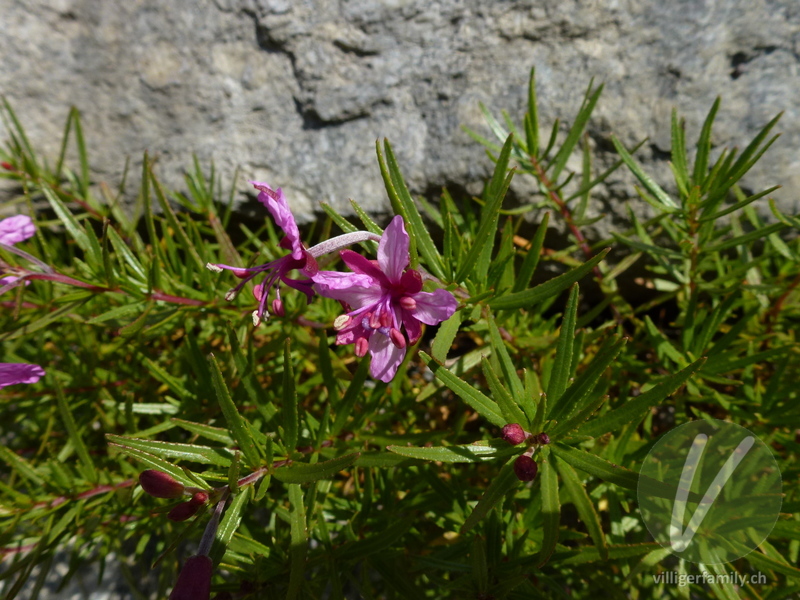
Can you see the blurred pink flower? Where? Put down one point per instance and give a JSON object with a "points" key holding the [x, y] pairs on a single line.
{"points": [[13, 373], [382, 298], [16, 229]]}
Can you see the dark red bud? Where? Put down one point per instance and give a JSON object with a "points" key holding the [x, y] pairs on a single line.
{"points": [[194, 580], [542, 439], [199, 498], [160, 485], [7, 166], [513, 433], [525, 468], [183, 511]]}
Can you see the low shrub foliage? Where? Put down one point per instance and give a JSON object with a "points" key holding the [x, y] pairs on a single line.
{"points": [[444, 408]]}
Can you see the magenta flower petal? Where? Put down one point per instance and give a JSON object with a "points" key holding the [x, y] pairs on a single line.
{"points": [[433, 308], [362, 265], [276, 204], [386, 357], [16, 229], [13, 373], [393, 250], [354, 289]]}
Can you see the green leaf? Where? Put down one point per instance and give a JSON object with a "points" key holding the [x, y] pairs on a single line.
{"points": [[230, 522], [680, 167], [635, 408], [486, 407], [532, 117], [583, 504], [44, 321], [650, 185], [72, 431], [464, 453], [551, 506], [511, 411], [505, 481], [531, 260], [299, 547], [562, 365], [546, 290], [381, 540], [398, 192], [154, 462], [289, 408], [612, 473], [354, 390], [574, 135], [445, 336], [191, 452], [704, 146], [572, 408], [496, 190], [239, 430], [506, 364], [306, 472], [616, 552]]}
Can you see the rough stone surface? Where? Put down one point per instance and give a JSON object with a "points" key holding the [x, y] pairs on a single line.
{"points": [[296, 92]]}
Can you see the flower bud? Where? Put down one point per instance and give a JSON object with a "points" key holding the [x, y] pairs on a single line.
{"points": [[160, 485], [199, 498], [513, 433], [194, 580], [542, 439], [277, 307], [525, 468], [184, 510]]}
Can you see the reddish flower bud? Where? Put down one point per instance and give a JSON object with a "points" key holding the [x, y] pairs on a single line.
{"points": [[183, 511], [542, 439], [513, 433], [7, 166], [160, 485], [277, 307], [525, 468], [199, 498], [194, 580]]}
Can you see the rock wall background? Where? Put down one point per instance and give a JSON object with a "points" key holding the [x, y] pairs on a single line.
{"points": [[296, 91]]}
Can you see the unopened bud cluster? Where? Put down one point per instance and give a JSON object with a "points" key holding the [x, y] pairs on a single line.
{"points": [[525, 468], [162, 485]]}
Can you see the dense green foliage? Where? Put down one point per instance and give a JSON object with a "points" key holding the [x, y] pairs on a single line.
{"points": [[363, 489]]}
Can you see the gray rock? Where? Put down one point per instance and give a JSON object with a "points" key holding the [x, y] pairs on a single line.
{"points": [[296, 92]]}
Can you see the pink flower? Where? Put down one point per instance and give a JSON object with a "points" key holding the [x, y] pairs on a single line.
{"points": [[13, 373], [16, 229], [383, 298], [12, 231], [276, 270]]}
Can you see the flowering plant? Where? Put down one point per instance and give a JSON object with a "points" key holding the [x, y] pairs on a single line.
{"points": [[442, 412]]}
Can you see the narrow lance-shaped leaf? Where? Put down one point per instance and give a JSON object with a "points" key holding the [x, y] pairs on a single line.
{"points": [[531, 260], [647, 181], [299, 546], [306, 472], [445, 336], [486, 407], [583, 504], [562, 365], [551, 506], [289, 408], [465, 453], [574, 135], [239, 430], [635, 408], [544, 291], [487, 230]]}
